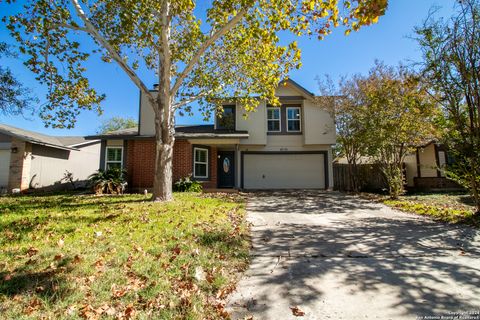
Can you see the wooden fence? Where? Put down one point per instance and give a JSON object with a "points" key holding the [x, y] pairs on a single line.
{"points": [[370, 177]]}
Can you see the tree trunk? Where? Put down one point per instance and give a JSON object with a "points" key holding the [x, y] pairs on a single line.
{"points": [[162, 184], [164, 115], [164, 141]]}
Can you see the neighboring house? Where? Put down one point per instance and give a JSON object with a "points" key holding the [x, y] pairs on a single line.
{"points": [[423, 168], [287, 147], [30, 160]]}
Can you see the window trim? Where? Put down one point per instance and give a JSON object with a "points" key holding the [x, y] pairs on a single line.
{"points": [[299, 119], [114, 161], [199, 162], [279, 119]]}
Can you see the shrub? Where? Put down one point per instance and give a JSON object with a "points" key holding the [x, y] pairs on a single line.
{"points": [[111, 181], [187, 185]]}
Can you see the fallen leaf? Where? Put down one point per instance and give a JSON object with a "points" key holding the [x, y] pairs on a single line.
{"points": [[32, 251], [87, 312], [7, 277], [118, 293], [129, 312], [58, 257], [77, 259], [32, 306], [297, 312]]}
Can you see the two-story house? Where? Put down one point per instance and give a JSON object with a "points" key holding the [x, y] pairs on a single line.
{"points": [[287, 147]]}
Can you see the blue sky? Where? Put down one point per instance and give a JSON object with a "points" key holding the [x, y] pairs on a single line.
{"points": [[337, 55]]}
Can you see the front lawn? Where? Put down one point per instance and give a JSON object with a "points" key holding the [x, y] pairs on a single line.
{"points": [[67, 256], [448, 207]]}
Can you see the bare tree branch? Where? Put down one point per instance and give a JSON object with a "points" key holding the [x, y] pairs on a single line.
{"points": [[214, 37]]}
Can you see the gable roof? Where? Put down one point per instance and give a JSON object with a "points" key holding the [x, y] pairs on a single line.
{"points": [[297, 85], [59, 142]]}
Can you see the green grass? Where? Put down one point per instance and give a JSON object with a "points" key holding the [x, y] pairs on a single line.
{"points": [[446, 207], [88, 257]]}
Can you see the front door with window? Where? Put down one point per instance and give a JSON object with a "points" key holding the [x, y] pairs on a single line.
{"points": [[226, 169]]}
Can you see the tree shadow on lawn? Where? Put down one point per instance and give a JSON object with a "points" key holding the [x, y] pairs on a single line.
{"points": [[65, 203], [410, 262], [20, 228], [50, 284]]}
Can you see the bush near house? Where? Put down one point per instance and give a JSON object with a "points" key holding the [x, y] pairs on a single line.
{"points": [[124, 257], [111, 181], [187, 185]]}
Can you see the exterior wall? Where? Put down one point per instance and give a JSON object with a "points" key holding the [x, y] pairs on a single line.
{"points": [[20, 163], [140, 163], [411, 168], [5, 146], [428, 161], [147, 117], [254, 122], [49, 165], [319, 126]]}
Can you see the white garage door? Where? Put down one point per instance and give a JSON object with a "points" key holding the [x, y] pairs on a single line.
{"points": [[4, 167], [283, 171]]}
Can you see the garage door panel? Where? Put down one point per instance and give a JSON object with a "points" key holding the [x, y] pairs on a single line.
{"points": [[4, 167], [284, 171]]}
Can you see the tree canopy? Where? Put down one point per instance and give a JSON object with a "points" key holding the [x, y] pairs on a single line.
{"points": [[15, 98], [231, 48], [116, 123]]}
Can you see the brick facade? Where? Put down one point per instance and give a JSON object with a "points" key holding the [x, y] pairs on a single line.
{"points": [[140, 163]]}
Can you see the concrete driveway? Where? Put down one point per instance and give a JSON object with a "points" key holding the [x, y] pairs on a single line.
{"points": [[340, 257]]}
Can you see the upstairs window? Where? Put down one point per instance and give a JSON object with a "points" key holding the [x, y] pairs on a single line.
{"points": [[200, 163], [114, 158], [226, 121], [273, 119], [293, 119]]}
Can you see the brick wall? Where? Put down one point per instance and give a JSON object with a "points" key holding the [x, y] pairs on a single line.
{"points": [[140, 163]]}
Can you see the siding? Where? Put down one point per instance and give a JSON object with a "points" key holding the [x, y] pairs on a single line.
{"points": [[49, 164]]}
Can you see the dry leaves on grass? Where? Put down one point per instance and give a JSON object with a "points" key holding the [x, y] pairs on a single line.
{"points": [[32, 306], [297, 312]]}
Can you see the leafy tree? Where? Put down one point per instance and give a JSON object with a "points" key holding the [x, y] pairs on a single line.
{"points": [[233, 50], [116, 123], [384, 115], [346, 103], [451, 54], [15, 98], [400, 115]]}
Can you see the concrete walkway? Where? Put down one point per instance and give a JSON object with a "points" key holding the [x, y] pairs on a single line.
{"points": [[340, 257]]}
